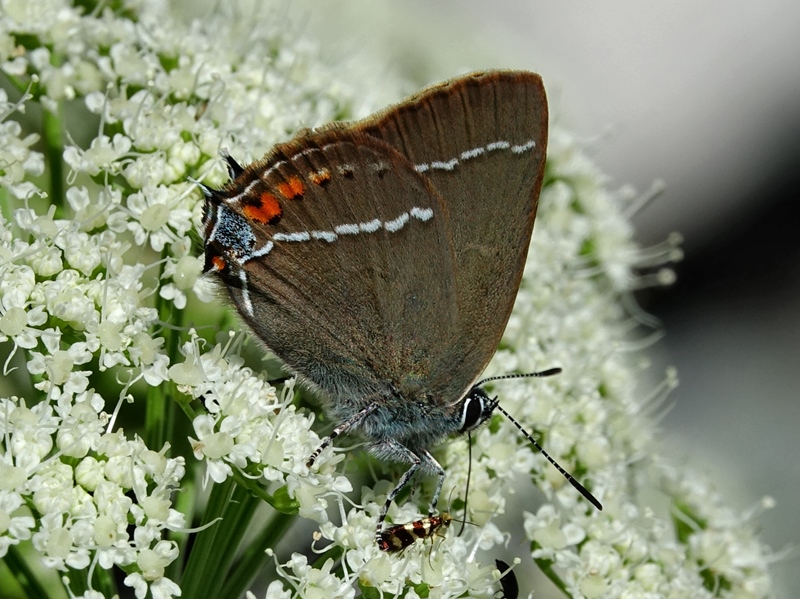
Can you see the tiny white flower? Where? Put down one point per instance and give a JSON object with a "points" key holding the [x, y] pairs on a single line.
{"points": [[132, 65], [275, 590], [89, 473], [22, 325], [147, 353], [15, 525], [158, 217], [16, 286], [185, 274], [104, 153], [154, 561]]}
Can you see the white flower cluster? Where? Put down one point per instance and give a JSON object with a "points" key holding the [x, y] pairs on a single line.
{"points": [[722, 542], [85, 497], [96, 283], [85, 280], [248, 428]]}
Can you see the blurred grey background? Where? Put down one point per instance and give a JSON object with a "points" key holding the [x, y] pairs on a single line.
{"points": [[705, 96]]}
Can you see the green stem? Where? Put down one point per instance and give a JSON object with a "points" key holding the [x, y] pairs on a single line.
{"points": [[172, 343], [103, 581], [78, 581], [155, 417], [160, 411], [280, 500], [24, 576], [54, 152], [200, 554], [5, 205], [184, 404], [546, 566], [186, 503], [215, 547], [238, 518], [254, 558]]}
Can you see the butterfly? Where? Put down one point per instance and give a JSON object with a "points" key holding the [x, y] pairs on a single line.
{"points": [[380, 259]]}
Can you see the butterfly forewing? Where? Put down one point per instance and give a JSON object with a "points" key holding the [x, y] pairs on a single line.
{"points": [[481, 141]]}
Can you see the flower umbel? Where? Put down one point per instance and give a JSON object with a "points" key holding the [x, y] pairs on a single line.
{"points": [[124, 398]]}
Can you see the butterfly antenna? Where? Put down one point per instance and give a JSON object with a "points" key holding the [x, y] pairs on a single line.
{"points": [[549, 372], [469, 475], [580, 488], [525, 375]]}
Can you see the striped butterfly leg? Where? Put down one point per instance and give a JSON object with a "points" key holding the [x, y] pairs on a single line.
{"points": [[344, 427], [394, 451]]}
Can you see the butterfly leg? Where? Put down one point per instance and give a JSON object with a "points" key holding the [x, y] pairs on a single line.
{"points": [[433, 466], [392, 450], [345, 426]]}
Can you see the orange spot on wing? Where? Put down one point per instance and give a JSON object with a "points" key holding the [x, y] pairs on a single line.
{"points": [[266, 210], [320, 177], [291, 188], [218, 263]]}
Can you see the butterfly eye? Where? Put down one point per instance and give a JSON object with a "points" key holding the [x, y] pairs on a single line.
{"points": [[476, 409]]}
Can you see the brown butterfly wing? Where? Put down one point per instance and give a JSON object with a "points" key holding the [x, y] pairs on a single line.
{"points": [[481, 141]]}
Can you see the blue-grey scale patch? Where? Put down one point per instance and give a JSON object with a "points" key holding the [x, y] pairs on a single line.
{"points": [[234, 234]]}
